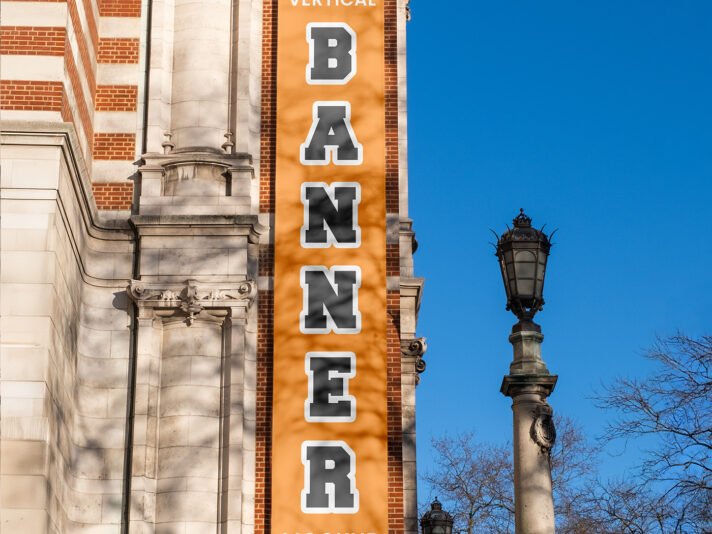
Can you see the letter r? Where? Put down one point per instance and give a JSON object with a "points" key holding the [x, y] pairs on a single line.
{"points": [[329, 478]]}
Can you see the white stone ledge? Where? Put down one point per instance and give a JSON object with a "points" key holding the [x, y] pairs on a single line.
{"points": [[117, 74], [115, 122], [35, 68], [22, 389], [120, 27], [112, 171], [30, 115], [44, 14]]}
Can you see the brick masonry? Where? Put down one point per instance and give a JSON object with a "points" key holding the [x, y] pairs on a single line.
{"points": [[263, 424], [31, 95], [268, 103], [114, 146], [32, 40], [118, 50], [396, 509], [75, 85], [120, 8], [116, 97], [83, 45], [113, 196]]}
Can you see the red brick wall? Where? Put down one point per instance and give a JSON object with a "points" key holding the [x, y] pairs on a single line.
{"points": [[118, 50], [32, 40], [83, 46], [263, 433], [113, 196], [114, 146], [263, 423], [75, 86], [268, 104], [91, 20], [31, 95], [80, 87], [120, 8], [116, 97], [396, 508]]}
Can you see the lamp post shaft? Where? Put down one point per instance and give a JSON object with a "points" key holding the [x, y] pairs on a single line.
{"points": [[529, 383]]}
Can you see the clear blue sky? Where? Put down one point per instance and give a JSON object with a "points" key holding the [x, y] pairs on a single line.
{"points": [[596, 117]]}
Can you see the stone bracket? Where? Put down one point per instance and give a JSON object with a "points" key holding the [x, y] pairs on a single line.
{"points": [[415, 349], [192, 298]]}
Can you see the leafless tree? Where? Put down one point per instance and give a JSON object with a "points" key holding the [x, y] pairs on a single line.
{"points": [[574, 461], [670, 492], [672, 407], [475, 481]]}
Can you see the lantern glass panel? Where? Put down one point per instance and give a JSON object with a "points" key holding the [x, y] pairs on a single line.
{"points": [[541, 271], [438, 529], [525, 268], [525, 264]]}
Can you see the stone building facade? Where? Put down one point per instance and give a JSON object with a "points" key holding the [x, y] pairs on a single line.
{"points": [[138, 151]]}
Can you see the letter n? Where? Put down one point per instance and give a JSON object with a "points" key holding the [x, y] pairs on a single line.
{"points": [[329, 478], [331, 215], [330, 299]]}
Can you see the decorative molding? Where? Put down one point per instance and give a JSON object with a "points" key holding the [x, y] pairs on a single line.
{"points": [[213, 225], [191, 298], [415, 348]]}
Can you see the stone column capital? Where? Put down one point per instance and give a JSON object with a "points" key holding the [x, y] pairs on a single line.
{"points": [[538, 385]]}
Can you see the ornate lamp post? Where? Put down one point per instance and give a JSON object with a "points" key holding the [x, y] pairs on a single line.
{"points": [[523, 252], [436, 520]]}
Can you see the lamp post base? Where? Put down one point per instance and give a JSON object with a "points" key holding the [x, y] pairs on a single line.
{"points": [[529, 384]]}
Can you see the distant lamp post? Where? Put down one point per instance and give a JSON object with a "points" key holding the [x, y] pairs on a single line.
{"points": [[436, 520], [522, 252]]}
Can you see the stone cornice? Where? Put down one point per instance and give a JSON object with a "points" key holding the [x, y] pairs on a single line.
{"points": [[413, 288], [518, 384], [240, 160], [247, 225], [63, 135]]}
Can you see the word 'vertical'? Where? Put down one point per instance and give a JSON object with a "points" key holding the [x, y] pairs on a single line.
{"points": [[330, 295]]}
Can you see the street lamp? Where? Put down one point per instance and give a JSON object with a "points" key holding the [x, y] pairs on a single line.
{"points": [[523, 252], [436, 520]]}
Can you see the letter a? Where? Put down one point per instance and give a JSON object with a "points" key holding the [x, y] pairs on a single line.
{"points": [[331, 136], [332, 53], [329, 478]]}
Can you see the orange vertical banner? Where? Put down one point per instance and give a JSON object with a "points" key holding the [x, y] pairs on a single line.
{"points": [[365, 434]]}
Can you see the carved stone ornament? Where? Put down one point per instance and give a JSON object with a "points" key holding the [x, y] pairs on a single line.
{"points": [[415, 348], [543, 431], [192, 297]]}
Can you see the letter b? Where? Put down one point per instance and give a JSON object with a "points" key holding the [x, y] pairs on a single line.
{"points": [[332, 53]]}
